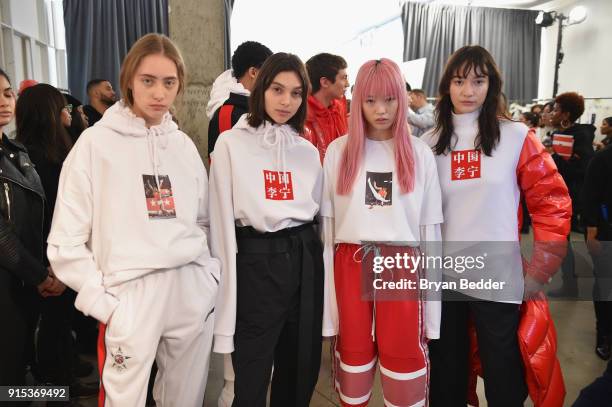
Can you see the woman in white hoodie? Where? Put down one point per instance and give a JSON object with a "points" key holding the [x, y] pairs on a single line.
{"points": [[265, 186], [129, 234]]}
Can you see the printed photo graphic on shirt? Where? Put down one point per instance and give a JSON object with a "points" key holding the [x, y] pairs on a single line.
{"points": [[465, 164], [563, 145], [278, 185], [379, 189], [160, 202]]}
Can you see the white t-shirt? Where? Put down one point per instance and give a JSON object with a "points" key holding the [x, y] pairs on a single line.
{"points": [[376, 210]]}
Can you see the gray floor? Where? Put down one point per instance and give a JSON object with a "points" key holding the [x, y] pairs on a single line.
{"points": [[574, 321]]}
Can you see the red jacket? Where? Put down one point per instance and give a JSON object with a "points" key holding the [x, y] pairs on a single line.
{"points": [[550, 208], [325, 124]]}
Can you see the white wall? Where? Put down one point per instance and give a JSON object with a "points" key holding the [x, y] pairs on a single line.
{"points": [[587, 64]]}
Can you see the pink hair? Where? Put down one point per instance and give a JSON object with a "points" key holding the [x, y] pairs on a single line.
{"points": [[380, 78]]}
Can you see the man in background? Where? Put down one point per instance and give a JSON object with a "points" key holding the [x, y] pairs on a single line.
{"points": [[101, 97]]}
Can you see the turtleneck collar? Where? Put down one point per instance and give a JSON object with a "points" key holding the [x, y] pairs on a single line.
{"points": [[466, 119]]}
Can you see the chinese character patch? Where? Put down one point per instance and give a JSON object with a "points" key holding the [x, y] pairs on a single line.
{"points": [[465, 164], [379, 189], [279, 185], [160, 202]]}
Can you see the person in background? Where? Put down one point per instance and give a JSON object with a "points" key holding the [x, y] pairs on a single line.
{"points": [[79, 120], [597, 213], [101, 97], [421, 113], [606, 131], [43, 117], [24, 84], [536, 109], [572, 145], [326, 119], [23, 274], [531, 120], [229, 96]]}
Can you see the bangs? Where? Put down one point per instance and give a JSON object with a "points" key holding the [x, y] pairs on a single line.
{"points": [[381, 82], [464, 66]]}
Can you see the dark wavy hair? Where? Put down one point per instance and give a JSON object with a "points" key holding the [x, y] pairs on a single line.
{"points": [[39, 123], [465, 59], [572, 103], [277, 63]]}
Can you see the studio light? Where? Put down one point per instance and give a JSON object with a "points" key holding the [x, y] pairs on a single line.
{"points": [[577, 15], [545, 19]]}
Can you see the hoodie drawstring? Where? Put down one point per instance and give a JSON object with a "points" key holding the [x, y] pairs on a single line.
{"points": [[366, 248], [280, 139]]}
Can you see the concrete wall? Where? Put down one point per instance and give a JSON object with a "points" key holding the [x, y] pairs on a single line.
{"points": [[196, 26]]}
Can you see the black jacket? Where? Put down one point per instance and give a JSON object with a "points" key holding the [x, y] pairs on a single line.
{"points": [[597, 192], [234, 107], [575, 167], [22, 207]]}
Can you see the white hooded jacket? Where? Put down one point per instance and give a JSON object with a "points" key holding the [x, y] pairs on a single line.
{"points": [[111, 224], [221, 89]]}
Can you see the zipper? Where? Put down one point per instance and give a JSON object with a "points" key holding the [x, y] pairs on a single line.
{"points": [[8, 200], [42, 231]]}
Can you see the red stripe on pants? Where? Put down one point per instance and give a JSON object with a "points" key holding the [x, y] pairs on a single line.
{"points": [[101, 361], [398, 327]]}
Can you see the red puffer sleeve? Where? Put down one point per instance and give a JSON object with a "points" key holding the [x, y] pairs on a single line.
{"points": [[549, 205]]}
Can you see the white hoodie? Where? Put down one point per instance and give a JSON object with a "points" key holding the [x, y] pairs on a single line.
{"points": [[221, 89], [107, 229], [247, 189]]}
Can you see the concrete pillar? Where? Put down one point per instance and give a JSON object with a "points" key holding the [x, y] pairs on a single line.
{"points": [[196, 26]]}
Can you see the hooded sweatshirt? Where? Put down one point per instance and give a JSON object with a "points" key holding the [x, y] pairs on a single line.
{"points": [[325, 124], [112, 223], [221, 89], [267, 177]]}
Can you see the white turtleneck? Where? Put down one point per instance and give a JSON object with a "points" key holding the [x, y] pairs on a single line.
{"points": [[247, 188], [480, 202], [483, 208]]}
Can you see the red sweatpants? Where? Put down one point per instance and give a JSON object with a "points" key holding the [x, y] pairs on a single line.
{"points": [[398, 339]]}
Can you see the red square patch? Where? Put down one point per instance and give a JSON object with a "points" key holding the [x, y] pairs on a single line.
{"points": [[279, 185], [465, 164]]}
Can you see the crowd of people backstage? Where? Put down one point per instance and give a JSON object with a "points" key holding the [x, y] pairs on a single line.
{"points": [[38, 309], [261, 260], [584, 164]]}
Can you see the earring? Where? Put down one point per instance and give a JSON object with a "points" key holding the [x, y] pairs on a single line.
{"points": [[565, 126]]}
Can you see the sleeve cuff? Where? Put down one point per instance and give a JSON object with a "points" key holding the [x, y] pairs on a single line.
{"points": [[327, 332], [93, 300], [223, 344]]}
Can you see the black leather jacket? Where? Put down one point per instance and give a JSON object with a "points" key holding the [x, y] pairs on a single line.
{"points": [[22, 205]]}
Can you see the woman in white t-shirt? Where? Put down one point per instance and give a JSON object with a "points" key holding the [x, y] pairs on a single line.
{"points": [[381, 202], [265, 190]]}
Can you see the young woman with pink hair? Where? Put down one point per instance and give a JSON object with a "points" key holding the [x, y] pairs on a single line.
{"points": [[381, 198]]}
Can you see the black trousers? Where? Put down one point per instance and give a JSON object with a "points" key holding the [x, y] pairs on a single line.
{"points": [[13, 320], [279, 316], [496, 329], [602, 289], [55, 344]]}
